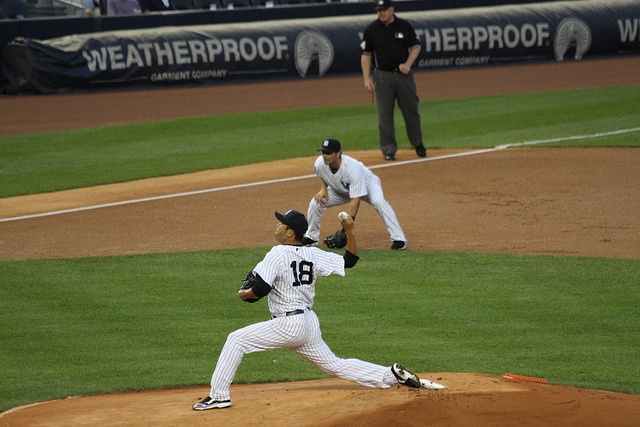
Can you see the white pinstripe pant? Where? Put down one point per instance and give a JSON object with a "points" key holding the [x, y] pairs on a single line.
{"points": [[375, 198], [301, 333]]}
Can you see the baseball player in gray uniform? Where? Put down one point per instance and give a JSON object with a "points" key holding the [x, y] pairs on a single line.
{"points": [[287, 275], [346, 180]]}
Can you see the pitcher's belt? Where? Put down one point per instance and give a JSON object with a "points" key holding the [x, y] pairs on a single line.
{"points": [[288, 313]]}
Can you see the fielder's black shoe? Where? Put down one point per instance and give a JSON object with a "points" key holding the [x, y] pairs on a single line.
{"points": [[421, 151], [405, 376], [398, 245], [308, 242], [390, 157], [209, 403]]}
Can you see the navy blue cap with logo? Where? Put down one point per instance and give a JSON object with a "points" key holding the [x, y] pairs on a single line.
{"points": [[330, 145], [294, 220]]}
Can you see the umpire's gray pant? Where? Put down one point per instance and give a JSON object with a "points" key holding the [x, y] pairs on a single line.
{"points": [[391, 86]]}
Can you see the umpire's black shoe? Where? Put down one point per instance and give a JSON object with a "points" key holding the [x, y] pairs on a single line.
{"points": [[405, 376], [209, 403], [421, 151], [398, 245], [308, 242], [390, 157]]}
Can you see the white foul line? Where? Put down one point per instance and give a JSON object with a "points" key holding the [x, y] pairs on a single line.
{"points": [[150, 199], [571, 138], [296, 178]]}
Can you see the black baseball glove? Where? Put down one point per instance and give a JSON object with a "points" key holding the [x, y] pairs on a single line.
{"points": [[247, 283], [337, 240]]}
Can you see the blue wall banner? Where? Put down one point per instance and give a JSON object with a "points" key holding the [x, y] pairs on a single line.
{"points": [[320, 47]]}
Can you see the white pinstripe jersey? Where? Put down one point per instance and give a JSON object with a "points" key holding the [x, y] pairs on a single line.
{"points": [[292, 272], [350, 180]]}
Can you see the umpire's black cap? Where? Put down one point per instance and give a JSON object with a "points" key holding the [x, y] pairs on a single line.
{"points": [[383, 4], [295, 221], [330, 145]]}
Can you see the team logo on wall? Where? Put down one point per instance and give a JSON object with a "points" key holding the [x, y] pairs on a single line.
{"points": [[572, 35], [313, 54]]}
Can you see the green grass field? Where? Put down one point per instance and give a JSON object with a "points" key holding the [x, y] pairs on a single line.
{"points": [[54, 161], [99, 325]]}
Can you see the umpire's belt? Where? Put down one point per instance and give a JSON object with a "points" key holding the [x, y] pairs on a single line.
{"points": [[287, 314]]}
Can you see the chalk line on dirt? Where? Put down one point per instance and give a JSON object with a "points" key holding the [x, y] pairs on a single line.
{"points": [[300, 177]]}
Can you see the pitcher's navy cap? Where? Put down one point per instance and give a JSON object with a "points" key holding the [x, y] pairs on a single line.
{"points": [[295, 221]]}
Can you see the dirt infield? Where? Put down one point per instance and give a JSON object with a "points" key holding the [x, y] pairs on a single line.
{"points": [[530, 201], [469, 400]]}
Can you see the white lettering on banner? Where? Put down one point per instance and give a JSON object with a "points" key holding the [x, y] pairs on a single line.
{"points": [[453, 39], [134, 58], [494, 37], [448, 39], [230, 47], [163, 51], [458, 61], [472, 60], [182, 52], [267, 48], [173, 76], [147, 49], [179, 52], [198, 51], [209, 74], [628, 30], [116, 57], [248, 49], [529, 35], [214, 48], [96, 59], [465, 38], [435, 62]]}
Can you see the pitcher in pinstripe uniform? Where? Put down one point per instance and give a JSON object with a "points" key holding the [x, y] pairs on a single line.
{"points": [[287, 275]]}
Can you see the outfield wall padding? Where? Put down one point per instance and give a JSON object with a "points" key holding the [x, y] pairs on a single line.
{"points": [[318, 47]]}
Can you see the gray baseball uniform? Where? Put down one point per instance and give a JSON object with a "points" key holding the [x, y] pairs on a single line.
{"points": [[291, 271], [353, 179]]}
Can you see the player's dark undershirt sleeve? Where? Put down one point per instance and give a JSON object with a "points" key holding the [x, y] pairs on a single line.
{"points": [[260, 287], [350, 259]]}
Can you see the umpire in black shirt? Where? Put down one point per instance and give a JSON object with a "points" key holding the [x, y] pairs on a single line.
{"points": [[393, 45]]}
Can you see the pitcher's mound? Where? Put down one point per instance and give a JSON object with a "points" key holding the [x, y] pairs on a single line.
{"points": [[468, 399]]}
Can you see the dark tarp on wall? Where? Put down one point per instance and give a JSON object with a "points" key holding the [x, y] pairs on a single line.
{"points": [[318, 47]]}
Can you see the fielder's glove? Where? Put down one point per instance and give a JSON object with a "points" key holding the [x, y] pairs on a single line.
{"points": [[337, 240], [247, 283]]}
